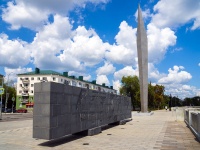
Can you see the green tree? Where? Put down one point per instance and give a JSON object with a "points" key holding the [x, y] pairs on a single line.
{"points": [[12, 93], [130, 87], [159, 96], [194, 101], [151, 97], [167, 100]]}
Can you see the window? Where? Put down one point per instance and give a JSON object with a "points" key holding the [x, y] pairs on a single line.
{"points": [[32, 78], [20, 91], [31, 85], [54, 79], [31, 91], [80, 84], [44, 78], [87, 86], [73, 83], [20, 85], [26, 78], [99, 88], [66, 82], [61, 80], [38, 78]]}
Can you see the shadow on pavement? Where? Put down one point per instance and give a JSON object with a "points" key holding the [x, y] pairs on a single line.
{"points": [[69, 138], [60, 141]]}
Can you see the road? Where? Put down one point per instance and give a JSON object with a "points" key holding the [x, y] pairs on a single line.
{"points": [[16, 116]]}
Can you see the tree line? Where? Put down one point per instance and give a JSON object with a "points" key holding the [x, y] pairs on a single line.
{"points": [[156, 97], [11, 92]]}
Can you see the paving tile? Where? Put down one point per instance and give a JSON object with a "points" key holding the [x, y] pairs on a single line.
{"points": [[159, 131]]}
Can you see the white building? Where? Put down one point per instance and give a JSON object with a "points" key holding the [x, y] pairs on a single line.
{"points": [[25, 84]]}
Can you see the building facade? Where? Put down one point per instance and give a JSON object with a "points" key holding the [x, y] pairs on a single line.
{"points": [[25, 85]]}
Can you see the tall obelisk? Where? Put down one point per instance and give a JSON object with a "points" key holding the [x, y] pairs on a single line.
{"points": [[142, 49]]}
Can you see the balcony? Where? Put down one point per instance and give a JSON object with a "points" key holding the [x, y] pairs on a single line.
{"points": [[25, 88], [25, 94], [25, 80]]}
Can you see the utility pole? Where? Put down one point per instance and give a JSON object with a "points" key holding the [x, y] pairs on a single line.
{"points": [[1, 93], [171, 101]]}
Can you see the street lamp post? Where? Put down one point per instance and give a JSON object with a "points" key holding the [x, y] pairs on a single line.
{"points": [[13, 99], [171, 101], [7, 94], [1, 102]]}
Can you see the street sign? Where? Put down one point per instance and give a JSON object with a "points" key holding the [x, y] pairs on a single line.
{"points": [[1, 91]]}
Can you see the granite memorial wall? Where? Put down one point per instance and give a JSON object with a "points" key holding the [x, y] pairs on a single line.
{"points": [[61, 110]]}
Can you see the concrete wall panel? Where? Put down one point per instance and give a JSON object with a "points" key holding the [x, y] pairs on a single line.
{"points": [[61, 109]]}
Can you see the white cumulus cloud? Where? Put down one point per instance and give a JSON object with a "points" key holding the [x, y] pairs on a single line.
{"points": [[56, 45], [49, 44], [181, 90], [116, 85], [34, 14], [124, 51], [11, 74], [20, 15], [153, 73], [87, 77], [102, 79], [107, 69], [13, 53], [176, 75], [170, 13], [87, 46], [159, 41], [126, 71], [145, 14]]}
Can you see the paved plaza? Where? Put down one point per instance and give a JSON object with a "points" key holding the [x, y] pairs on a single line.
{"points": [[159, 131]]}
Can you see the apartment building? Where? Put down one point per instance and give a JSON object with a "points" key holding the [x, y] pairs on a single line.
{"points": [[25, 85]]}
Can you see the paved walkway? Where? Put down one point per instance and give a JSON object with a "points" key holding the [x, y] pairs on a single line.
{"points": [[159, 131]]}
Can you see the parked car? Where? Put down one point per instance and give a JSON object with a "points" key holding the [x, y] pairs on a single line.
{"points": [[22, 110]]}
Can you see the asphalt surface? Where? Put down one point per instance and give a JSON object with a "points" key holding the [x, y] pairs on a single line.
{"points": [[16, 116]]}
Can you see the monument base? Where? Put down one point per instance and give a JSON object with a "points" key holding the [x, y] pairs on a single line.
{"points": [[89, 132], [142, 113]]}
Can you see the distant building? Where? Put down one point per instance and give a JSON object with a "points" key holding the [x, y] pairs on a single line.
{"points": [[1, 80], [25, 85]]}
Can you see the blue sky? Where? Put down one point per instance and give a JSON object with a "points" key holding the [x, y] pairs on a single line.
{"points": [[97, 39]]}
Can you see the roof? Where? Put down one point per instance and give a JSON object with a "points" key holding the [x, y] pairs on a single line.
{"points": [[42, 72], [1, 75], [50, 72]]}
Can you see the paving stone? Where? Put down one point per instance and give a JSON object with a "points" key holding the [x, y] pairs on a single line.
{"points": [[159, 131]]}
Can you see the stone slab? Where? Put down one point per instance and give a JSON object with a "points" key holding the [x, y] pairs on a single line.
{"points": [[75, 110], [142, 113]]}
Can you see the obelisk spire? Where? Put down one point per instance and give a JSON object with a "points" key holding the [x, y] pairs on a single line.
{"points": [[142, 49]]}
